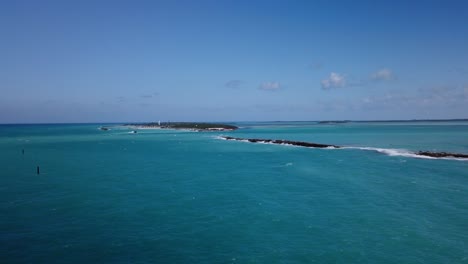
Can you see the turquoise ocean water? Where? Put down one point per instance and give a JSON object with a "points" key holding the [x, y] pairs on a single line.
{"points": [[164, 196]]}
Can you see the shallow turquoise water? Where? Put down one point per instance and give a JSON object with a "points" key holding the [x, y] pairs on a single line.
{"points": [[183, 197]]}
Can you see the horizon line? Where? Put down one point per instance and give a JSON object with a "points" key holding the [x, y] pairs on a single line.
{"points": [[258, 121]]}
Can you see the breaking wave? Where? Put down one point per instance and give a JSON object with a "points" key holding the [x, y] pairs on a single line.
{"points": [[402, 153], [387, 151]]}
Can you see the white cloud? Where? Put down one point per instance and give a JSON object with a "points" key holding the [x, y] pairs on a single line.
{"points": [[440, 97], [335, 80], [316, 66], [270, 86], [147, 96], [234, 84], [383, 75]]}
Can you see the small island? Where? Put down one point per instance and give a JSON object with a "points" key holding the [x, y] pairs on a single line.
{"points": [[283, 142], [334, 122], [193, 126]]}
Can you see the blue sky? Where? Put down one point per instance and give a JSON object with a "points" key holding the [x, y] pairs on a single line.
{"points": [[114, 61]]}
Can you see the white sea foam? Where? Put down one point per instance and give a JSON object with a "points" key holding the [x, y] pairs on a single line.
{"points": [[402, 153], [389, 152], [386, 151]]}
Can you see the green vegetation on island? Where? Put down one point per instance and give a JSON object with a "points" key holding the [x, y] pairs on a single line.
{"points": [[186, 125]]}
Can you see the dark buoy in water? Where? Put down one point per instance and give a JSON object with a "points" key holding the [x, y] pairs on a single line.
{"points": [[22, 151], [38, 172]]}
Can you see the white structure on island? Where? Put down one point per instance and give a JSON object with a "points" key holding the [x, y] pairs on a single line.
{"points": [[159, 123]]}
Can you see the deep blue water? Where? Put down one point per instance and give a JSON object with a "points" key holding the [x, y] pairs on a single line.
{"points": [[164, 196]]}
